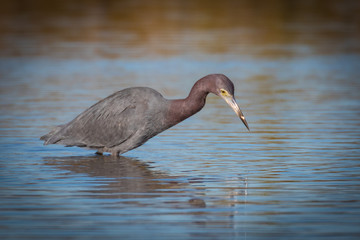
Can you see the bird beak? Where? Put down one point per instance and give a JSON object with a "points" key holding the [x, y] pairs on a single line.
{"points": [[232, 103]]}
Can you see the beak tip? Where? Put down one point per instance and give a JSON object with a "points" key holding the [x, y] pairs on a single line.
{"points": [[237, 110], [245, 122]]}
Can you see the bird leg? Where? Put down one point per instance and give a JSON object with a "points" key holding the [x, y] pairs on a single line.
{"points": [[115, 153], [99, 152]]}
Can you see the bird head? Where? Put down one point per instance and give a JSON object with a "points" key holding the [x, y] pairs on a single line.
{"points": [[224, 88]]}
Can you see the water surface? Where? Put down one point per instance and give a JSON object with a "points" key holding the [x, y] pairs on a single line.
{"points": [[295, 66]]}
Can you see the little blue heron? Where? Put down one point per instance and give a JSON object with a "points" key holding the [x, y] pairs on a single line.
{"points": [[128, 118]]}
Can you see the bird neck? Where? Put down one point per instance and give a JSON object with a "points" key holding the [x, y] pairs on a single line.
{"points": [[181, 109]]}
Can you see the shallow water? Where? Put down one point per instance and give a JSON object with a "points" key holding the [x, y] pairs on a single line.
{"points": [[296, 69]]}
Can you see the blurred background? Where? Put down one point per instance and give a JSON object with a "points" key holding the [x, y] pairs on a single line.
{"points": [[115, 29], [296, 69]]}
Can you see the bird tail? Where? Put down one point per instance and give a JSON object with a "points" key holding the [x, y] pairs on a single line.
{"points": [[51, 138]]}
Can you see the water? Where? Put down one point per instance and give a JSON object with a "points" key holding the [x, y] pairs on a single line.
{"points": [[295, 66]]}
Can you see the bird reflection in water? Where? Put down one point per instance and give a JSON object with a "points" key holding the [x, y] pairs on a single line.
{"points": [[148, 192], [123, 177], [119, 175]]}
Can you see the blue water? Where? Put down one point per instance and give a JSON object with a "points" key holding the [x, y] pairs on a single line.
{"points": [[294, 176]]}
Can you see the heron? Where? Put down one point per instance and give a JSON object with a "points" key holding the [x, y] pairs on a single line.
{"points": [[128, 118]]}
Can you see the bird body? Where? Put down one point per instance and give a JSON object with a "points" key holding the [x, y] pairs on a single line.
{"points": [[128, 118]]}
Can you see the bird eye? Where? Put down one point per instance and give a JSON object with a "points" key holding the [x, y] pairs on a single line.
{"points": [[223, 91]]}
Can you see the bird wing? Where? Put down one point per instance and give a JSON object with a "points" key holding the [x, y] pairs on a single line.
{"points": [[107, 123]]}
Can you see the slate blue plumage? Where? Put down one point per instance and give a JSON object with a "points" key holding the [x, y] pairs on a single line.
{"points": [[128, 118]]}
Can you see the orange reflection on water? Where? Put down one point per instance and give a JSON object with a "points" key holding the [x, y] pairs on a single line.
{"points": [[116, 29]]}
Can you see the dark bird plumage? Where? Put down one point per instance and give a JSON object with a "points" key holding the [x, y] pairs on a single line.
{"points": [[128, 118]]}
